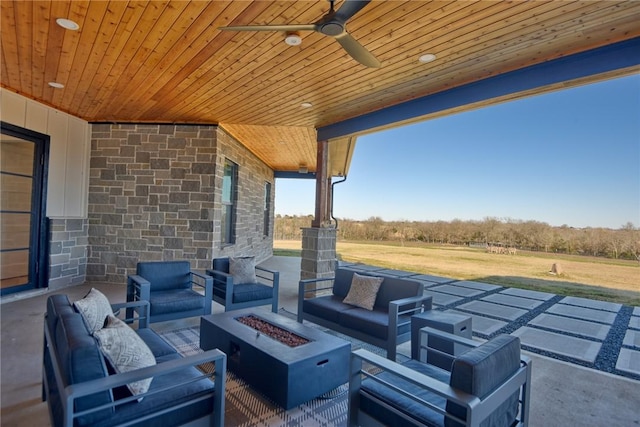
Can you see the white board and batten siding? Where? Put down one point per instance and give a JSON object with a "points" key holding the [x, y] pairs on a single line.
{"points": [[69, 152]]}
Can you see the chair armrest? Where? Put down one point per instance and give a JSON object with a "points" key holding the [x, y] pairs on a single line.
{"points": [[431, 384], [302, 291], [266, 270], [143, 313], [138, 289]]}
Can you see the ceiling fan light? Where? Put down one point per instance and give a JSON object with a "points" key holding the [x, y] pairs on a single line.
{"points": [[306, 105], [68, 24], [293, 39], [56, 85], [427, 57]]}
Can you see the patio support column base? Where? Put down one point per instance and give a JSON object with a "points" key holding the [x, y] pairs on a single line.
{"points": [[318, 252]]}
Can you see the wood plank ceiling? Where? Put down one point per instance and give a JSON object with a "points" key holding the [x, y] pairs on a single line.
{"points": [[168, 62]]}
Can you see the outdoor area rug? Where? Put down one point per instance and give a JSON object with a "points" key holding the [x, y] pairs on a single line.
{"points": [[246, 407]]}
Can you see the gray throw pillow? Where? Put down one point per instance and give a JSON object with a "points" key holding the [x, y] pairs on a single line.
{"points": [[94, 308], [363, 291], [243, 270], [126, 351]]}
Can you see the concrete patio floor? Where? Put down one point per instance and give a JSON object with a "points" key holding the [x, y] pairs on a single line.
{"points": [[564, 393]]}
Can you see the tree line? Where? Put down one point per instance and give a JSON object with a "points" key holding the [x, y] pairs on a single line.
{"points": [[622, 243]]}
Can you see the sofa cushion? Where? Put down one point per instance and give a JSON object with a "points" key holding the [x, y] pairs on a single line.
{"points": [[480, 371], [363, 291], [374, 322], [327, 307], [243, 270], [94, 308], [126, 351], [394, 288], [81, 361], [342, 282], [57, 305], [397, 400], [158, 346], [175, 301], [164, 275], [251, 292]]}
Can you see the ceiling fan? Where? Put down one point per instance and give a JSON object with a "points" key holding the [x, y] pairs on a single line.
{"points": [[333, 24]]}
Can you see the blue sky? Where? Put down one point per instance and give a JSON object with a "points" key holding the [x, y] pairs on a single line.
{"points": [[568, 157]]}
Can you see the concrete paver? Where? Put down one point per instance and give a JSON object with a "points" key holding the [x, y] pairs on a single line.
{"points": [[495, 310], [629, 361], [634, 322], [476, 285], [542, 296], [443, 299], [632, 338], [583, 313], [636, 311], [394, 273], [482, 325], [577, 348], [513, 301], [457, 290], [590, 303], [430, 278], [578, 327]]}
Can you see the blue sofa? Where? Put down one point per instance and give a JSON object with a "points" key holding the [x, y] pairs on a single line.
{"points": [[81, 389], [386, 326]]}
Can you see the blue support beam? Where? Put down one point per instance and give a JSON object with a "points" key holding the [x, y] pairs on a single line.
{"points": [[294, 175], [605, 59]]}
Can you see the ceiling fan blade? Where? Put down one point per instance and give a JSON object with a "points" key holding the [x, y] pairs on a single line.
{"points": [[292, 27], [357, 51], [348, 9]]}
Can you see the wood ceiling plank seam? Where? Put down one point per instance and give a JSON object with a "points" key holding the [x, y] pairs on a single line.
{"points": [[265, 160], [24, 14], [391, 78], [218, 71], [432, 75], [156, 80], [54, 47], [105, 35], [292, 66], [42, 16], [267, 95], [88, 35], [9, 43], [150, 29], [148, 12], [164, 59], [202, 56], [102, 83], [155, 28]]}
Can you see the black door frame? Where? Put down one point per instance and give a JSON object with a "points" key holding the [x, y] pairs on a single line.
{"points": [[39, 238]]}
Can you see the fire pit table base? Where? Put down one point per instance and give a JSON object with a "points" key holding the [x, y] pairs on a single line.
{"points": [[287, 375]]}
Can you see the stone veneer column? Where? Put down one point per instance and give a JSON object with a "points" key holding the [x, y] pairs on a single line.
{"points": [[68, 239], [318, 252]]}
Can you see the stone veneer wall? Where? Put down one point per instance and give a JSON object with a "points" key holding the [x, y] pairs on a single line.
{"points": [[154, 194], [68, 239], [318, 257]]}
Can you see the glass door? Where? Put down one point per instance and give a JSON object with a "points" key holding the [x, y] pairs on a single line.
{"points": [[23, 238]]}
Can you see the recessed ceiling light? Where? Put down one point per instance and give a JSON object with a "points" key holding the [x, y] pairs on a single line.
{"points": [[427, 57], [306, 105], [293, 39], [56, 85], [68, 24]]}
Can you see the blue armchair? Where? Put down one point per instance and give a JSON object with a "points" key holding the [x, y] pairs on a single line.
{"points": [[489, 385], [234, 295], [169, 287]]}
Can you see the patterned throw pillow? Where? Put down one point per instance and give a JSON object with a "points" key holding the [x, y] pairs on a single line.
{"points": [[126, 351], [243, 270], [363, 291], [94, 308]]}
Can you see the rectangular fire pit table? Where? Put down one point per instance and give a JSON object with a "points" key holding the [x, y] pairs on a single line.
{"points": [[287, 375]]}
